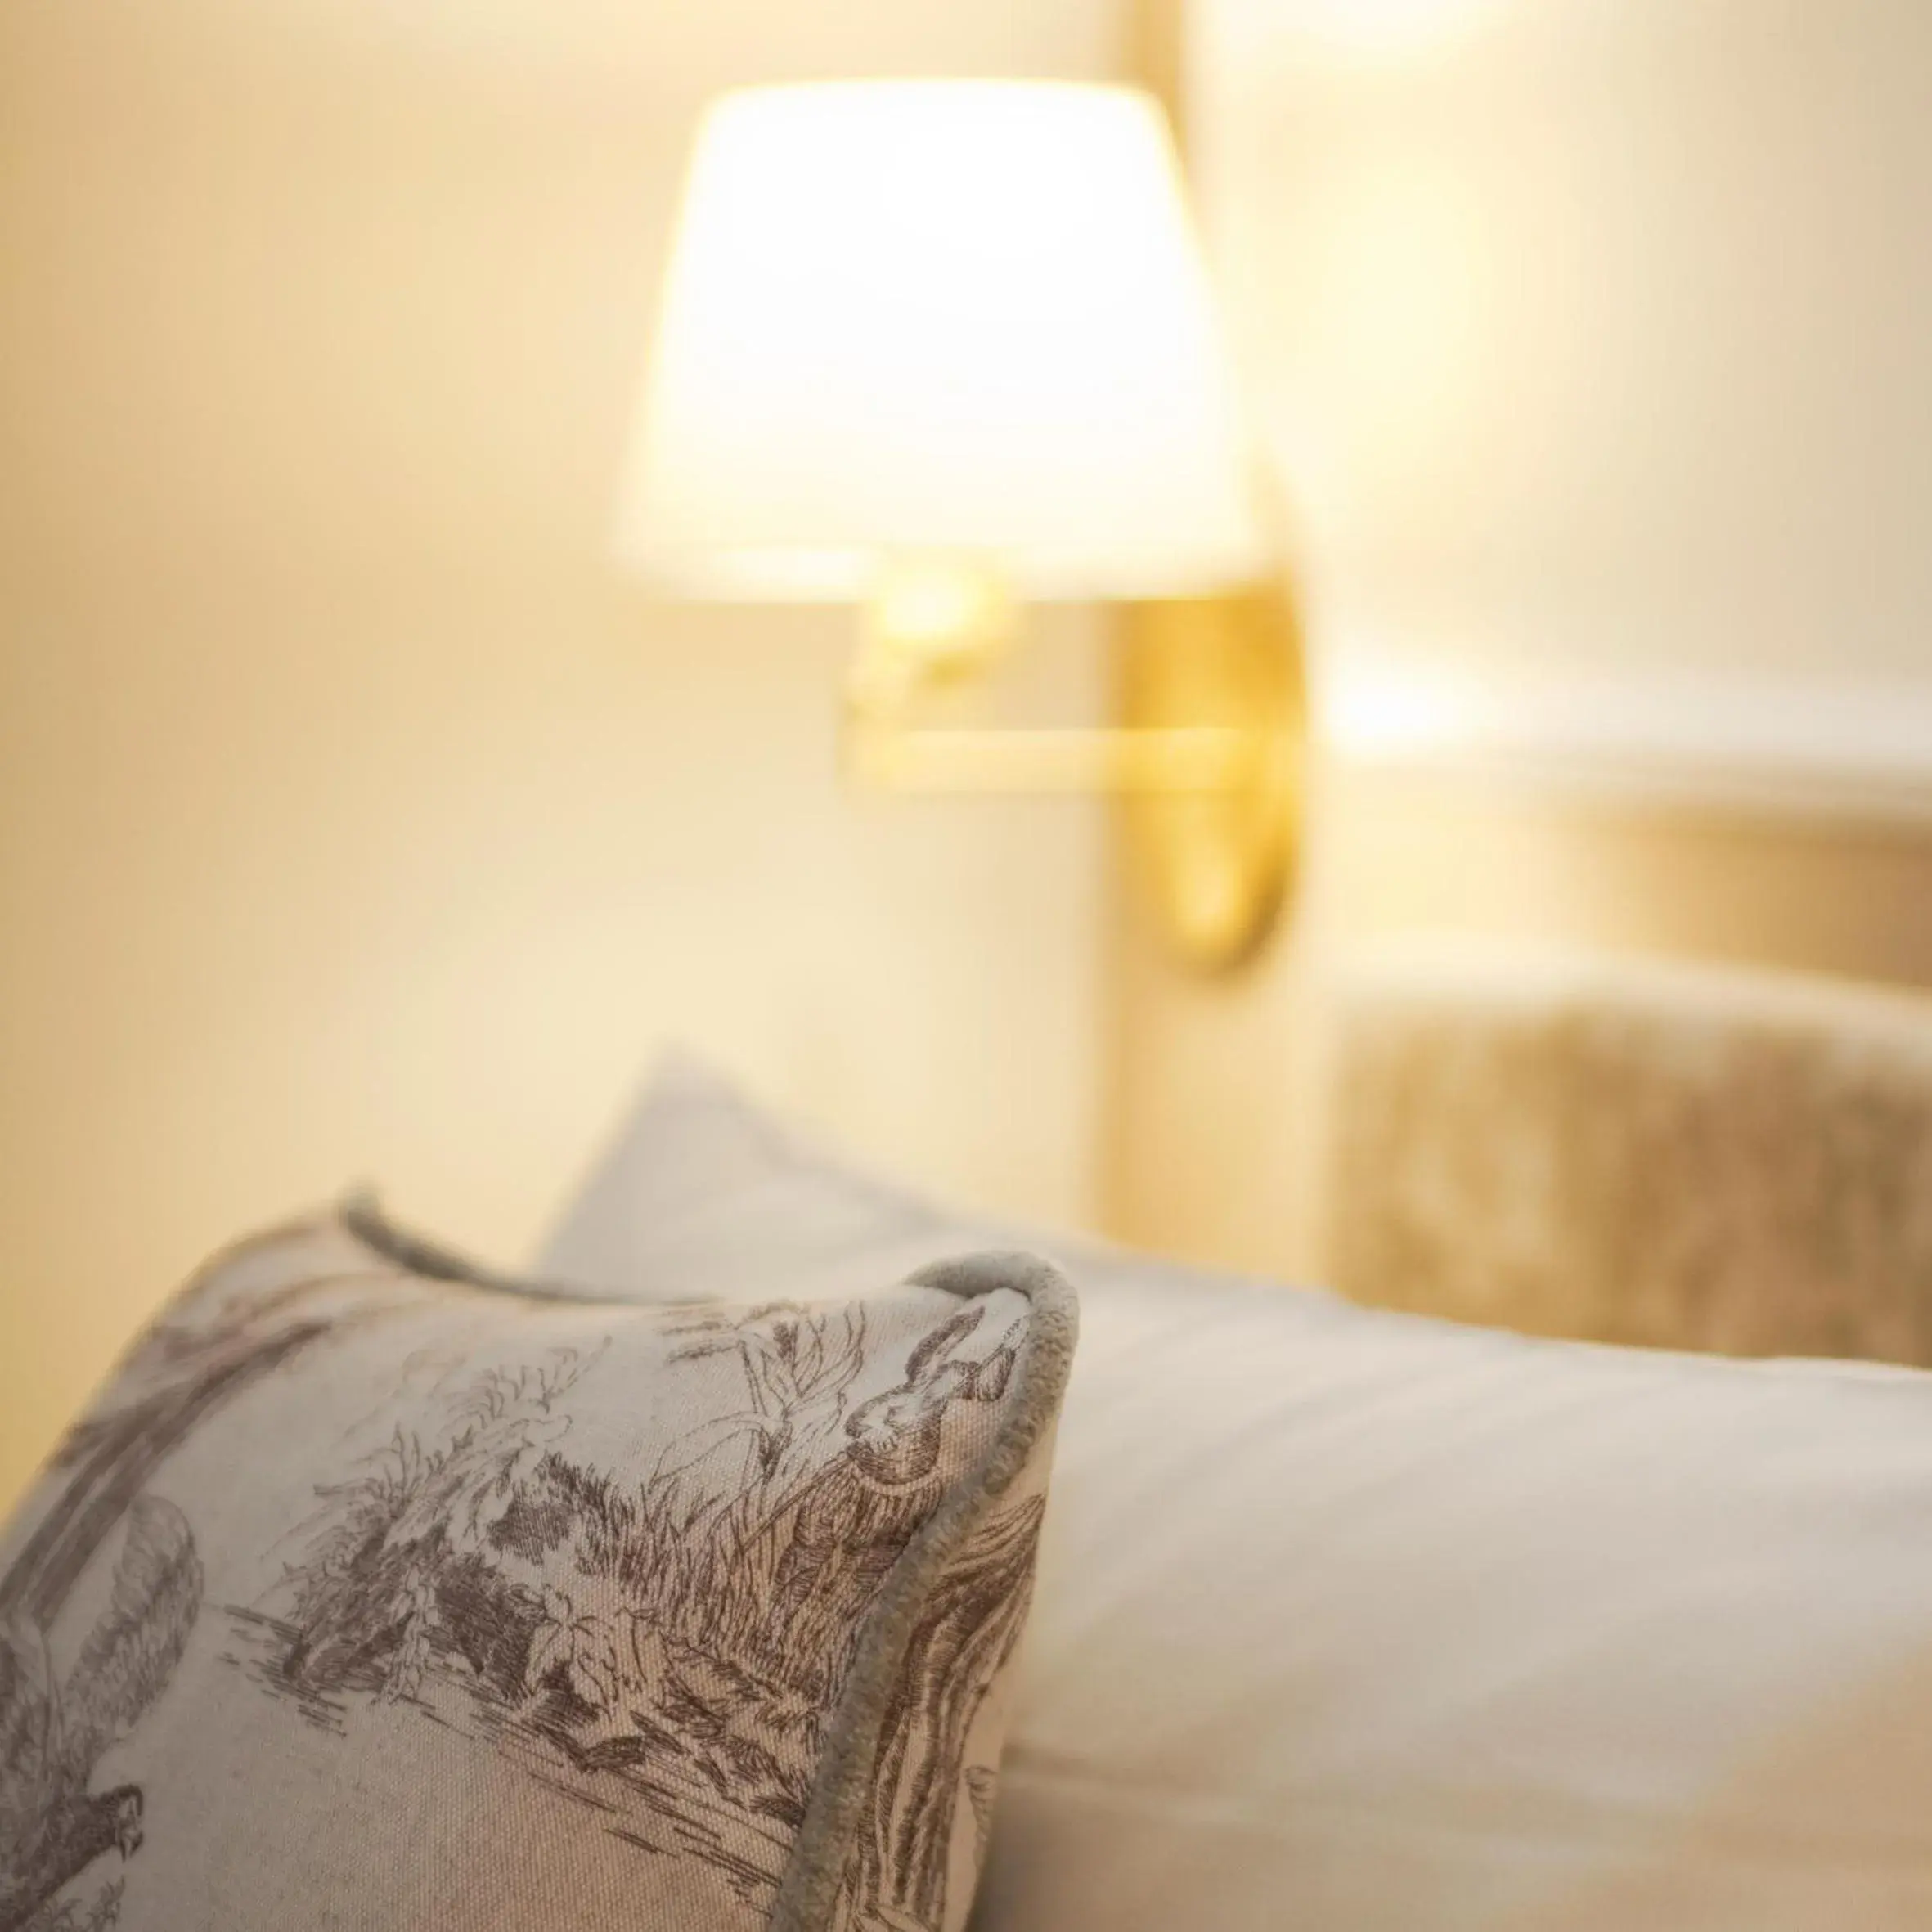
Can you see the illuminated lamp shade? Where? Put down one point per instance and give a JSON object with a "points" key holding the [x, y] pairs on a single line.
{"points": [[937, 318]]}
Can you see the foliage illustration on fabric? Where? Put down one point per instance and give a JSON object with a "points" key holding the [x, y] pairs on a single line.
{"points": [[670, 1652], [54, 1828]]}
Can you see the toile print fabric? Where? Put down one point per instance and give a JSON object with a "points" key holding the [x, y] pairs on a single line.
{"points": [[372, 1593]]}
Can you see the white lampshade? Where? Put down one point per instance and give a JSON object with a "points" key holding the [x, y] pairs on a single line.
{"points": [[914, 317]]}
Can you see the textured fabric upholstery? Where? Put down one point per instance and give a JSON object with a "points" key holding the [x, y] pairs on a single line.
{"points": [[1624, 1152]]}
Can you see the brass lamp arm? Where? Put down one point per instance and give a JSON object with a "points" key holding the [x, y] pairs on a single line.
{"points": [[1210, 758], [1183, 760]]}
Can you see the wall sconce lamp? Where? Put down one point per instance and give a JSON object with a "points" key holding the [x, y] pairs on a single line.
{"points": [[935, 347]]}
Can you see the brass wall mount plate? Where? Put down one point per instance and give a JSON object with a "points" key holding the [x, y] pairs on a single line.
{"points": [[1219, 865]]}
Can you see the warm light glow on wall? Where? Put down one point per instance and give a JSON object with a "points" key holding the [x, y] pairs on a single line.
{"points": [[1386, 28], [1396, 319]]}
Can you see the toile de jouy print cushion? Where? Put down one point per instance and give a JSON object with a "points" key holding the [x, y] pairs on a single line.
{"points": [[376, 1591]]}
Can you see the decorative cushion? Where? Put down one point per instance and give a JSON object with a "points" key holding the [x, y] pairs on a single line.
{"points": [[1351, 1621], [377, 1591]]}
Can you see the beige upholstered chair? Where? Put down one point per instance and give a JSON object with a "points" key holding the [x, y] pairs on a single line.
{"points": [[1681, 1156]]}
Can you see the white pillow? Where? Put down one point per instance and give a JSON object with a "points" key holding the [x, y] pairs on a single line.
{"points": [[700, 1193], [1354, 1622]]}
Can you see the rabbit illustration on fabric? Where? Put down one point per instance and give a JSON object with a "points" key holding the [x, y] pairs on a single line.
{"points": [[858, 1513]]}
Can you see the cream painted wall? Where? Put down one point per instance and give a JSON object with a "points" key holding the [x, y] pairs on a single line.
{"points": [[1590, 339], [354, 821]]}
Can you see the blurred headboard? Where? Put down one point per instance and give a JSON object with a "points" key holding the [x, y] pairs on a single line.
{"points": [[1632, 1151]]}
